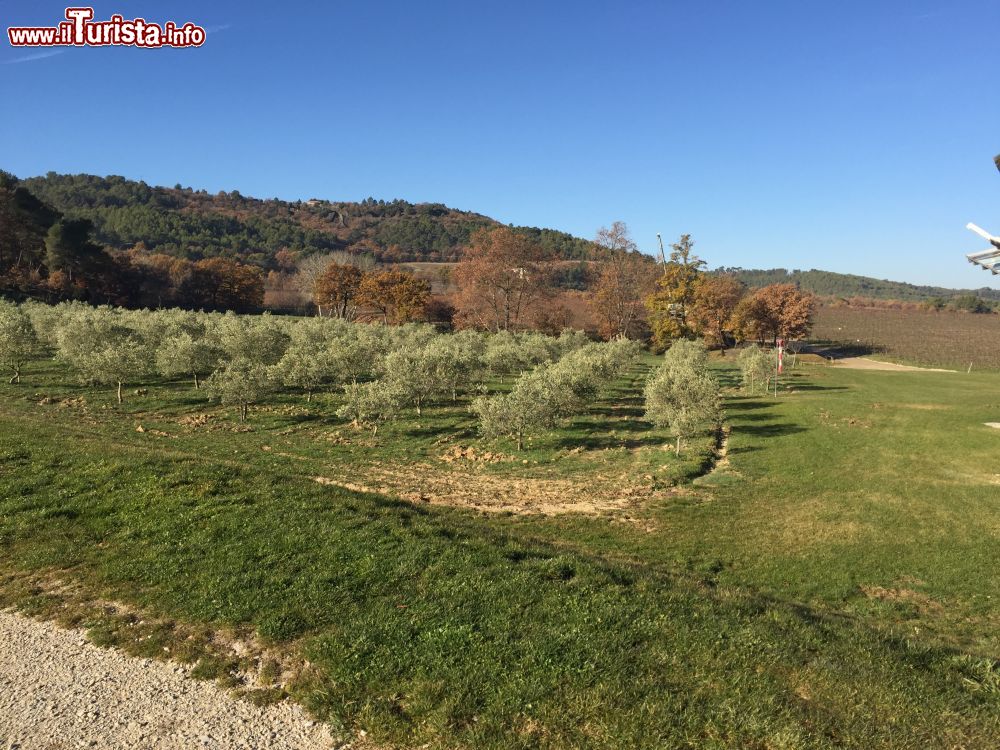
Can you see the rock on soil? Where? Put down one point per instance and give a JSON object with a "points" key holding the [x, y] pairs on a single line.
{"points": [[57, 692]]}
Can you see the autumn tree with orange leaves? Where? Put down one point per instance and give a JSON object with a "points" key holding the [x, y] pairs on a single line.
{"points": [[500, 279], [336, 290], [670, 303], [223, 284], [626, 278], [775, 311], [393, 296], [714, 302]]}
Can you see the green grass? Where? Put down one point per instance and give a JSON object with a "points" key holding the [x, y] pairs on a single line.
{"points": [[834, 586]]}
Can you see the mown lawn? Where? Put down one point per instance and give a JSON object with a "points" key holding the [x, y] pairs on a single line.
{"points": [[833, 584]]}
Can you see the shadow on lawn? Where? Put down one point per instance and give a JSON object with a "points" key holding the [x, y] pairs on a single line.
{"points": [[599, 442], [810, 387], [734, 405], [770, 430]]}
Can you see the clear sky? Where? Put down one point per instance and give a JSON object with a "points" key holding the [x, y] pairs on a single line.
{"points": [[848, 136]]}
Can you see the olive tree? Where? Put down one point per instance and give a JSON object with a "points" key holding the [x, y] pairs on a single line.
{"points": [[48, 319], [307, 361], [683, 400], [240, 383], [529, 407], [455, 361], [103, 351], [185, 354], [18, 342], [502, 355], [756, 367], [412, 372], [686, 353], [371, 404], [356, 352], [253, 338]]}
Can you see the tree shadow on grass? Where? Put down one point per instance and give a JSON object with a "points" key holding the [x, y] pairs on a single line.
{"points": [[600, 442], [738, 419], [627, 411], [771, 430], [601, 425], [732, 405]]}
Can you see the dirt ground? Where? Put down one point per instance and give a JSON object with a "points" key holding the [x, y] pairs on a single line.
{"points": [[864, 363], [496, 494]]}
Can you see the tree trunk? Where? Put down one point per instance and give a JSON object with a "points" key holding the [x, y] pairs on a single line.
{"points": [[197, 385], [243, 412], [119, 391], [678, 451], [520, 441], [375, 430], [16, 377], [418, 408], [454, 395], [309, 396]]}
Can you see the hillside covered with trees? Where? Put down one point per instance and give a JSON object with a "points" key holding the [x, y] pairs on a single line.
{"points": [[830, 284], [192, 224]]}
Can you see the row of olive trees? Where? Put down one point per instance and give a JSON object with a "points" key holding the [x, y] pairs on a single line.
{"points": [[682, 395], [242, 359], [553, 391], [425, 367]]}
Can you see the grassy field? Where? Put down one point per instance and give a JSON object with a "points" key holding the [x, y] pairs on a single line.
{"points": [[934, 339], [834, 582]]}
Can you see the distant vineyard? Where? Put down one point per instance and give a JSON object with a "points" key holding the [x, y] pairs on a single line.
{"points": [[926, 338]]}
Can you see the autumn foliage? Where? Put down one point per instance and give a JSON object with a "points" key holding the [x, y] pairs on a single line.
{"points": [[500, 280], [714, 301], [392, 296], [627, 277], [669, 304], [775, 311], [336, 291]]}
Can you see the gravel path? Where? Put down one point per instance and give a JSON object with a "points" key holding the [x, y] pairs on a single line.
{"points": [[57, 692]]}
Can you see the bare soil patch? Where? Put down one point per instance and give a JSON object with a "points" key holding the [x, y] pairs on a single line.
{"points": [[864, 363], [422, 483]]}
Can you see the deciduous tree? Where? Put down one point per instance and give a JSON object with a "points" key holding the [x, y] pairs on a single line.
{"points": [[222, 284], [336, 289], [499, 279], [626, 279], [778, 310], [670, 303], [392, 295], [712, 307]]}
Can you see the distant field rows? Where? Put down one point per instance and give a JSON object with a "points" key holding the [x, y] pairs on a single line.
{"points": [[941, 339]]}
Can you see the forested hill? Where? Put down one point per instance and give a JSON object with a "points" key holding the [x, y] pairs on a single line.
{"points": [[830, 284], [192, 224]]}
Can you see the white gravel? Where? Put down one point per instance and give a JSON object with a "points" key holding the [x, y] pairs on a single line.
{"points": [[58, 691]]}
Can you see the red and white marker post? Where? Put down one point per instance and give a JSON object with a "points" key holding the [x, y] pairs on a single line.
{"points": [[780, 366]]}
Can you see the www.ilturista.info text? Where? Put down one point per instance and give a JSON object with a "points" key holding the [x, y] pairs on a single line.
{"points": [[80, 30]]}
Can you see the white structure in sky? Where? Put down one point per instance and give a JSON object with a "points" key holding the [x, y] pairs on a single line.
{"points": [[988, 259]]}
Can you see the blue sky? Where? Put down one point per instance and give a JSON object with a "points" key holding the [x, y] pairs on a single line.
{"points": [[851, 136]]}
